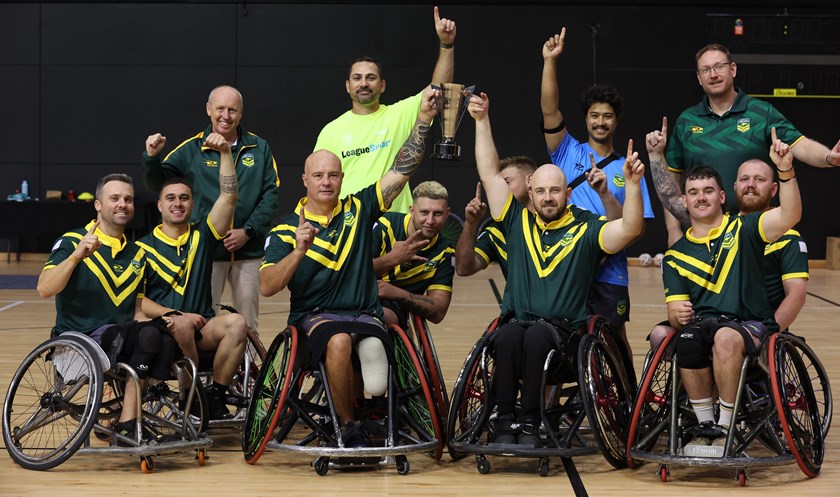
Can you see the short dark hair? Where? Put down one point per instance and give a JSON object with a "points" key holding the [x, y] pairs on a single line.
{"points": [[175, 180], [713, 47], [521, 161], [703, 172], [602, 94], [365, 58], [112, 177]]}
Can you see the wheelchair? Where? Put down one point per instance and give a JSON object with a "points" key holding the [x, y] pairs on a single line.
{"points": [[67, 388], [291, 410], [586, 409], [242, 386], [782, 412]]}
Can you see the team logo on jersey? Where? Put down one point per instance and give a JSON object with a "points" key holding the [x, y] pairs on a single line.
{"points": [[117, 268], [618, 180], [349, 219], [743, 125], [430, 266], [136, 266], [567, 239], [697, 130], [248, 160], [728, 240], [211, 163], [332, 234]]}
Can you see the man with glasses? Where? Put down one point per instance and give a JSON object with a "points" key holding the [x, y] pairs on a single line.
{"points": [[723, 131]]}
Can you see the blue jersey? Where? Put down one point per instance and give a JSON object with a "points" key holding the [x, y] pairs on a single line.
{"points": [[572, 157]]}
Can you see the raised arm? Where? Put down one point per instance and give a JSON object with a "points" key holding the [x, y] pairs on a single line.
{"points": [[467, 261], [53, 280], [777, 221], [816, 154], [619, 233], [666, 182], [411, 153], [553, 124], [597, 180], [275, 278], [153, 175], [221, 215], [445, 66], [486, 156]]}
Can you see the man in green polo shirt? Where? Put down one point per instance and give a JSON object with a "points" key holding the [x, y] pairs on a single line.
{"points": [[725, 129], [180, 262], [552, 257], [711, 276], [367, 137], [324, 253]]}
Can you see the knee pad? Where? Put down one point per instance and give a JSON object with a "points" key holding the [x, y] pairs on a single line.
{"points": [[145, 350], [692, 349], [374, 363]]}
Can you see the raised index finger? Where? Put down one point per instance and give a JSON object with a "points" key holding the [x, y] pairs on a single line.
{"points": [[478, 190], [629, 148], [664, 125], [592, 161], [93, 228], [437, 15], [302, 217], [773, 134]]}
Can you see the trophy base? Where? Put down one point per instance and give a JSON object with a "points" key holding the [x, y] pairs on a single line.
{"points": [[447, 150]]}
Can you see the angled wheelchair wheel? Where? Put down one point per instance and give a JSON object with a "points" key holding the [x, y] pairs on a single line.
{"points": [[606, 398], [426, 348], [164, 404], [269, 394], [799, 413], [471, 399], [600, 327], [651, 407], [52, 403], [819, 381], [416, 401]]}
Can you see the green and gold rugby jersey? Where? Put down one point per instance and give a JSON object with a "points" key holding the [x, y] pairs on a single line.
{"points": [[104, 286], [701, 137], [723, 273], [179, 270], [786, 258], [492, 246], [337, 273], [550, 266], [414, 276]]}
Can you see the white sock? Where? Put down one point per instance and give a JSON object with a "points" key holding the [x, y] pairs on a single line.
{"points": [[374, 364], [725, 413], [704, 409]]}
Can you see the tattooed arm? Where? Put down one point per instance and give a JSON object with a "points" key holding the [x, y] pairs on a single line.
{"points": [[411, 153], [432, 306], [221, 215], [667, 183]]}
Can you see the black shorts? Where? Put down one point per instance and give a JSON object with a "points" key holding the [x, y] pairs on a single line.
{"points": [[330, 324], [708, 327], [610, 301]]}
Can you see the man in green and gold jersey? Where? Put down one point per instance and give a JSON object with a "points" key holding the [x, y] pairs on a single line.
{"points": [[180, 262], [96, 276], [324, 253], [552, 255], [711, 276]]}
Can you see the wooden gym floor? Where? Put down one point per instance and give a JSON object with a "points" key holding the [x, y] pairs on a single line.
{"points": [[25, 321]]}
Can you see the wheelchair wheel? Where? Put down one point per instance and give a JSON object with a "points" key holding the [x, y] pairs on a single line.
{"points": [[471, 399], [52, 403], [246, 376], [796, 403], [269, 394], [600, 327], [651, 406], [163, 406], [606, 398], [819, 382], [427, 350], [415, 398]]}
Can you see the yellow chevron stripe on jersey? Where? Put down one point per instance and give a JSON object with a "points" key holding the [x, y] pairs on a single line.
{"points": [[173, 274], [535, 246], [111, 282], [712, 282]]}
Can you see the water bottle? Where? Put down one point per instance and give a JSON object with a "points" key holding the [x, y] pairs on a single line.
{"points": [[24, 189]]}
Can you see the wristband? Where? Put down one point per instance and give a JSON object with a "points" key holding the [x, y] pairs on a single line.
{"points": [[786, 180], [447, 45]]}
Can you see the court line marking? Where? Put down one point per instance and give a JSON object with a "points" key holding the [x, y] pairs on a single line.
{"points": [[14, 303]]}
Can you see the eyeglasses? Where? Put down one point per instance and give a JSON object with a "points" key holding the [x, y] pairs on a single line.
{"points": [[717, 68]]}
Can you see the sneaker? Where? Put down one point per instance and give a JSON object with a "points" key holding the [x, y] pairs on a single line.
{"points": [[354, 436], [217, 407], [529, 434], [701, 444], [128, 429], [505, 430]]}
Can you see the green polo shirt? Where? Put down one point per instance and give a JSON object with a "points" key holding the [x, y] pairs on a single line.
{"points": [[180, 269], [415, 276], [723, 273], [104, 286], [336, 275], [550, 266], [701, 137]]}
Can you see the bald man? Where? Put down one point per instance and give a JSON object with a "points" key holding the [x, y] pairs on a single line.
{"points": [[548, 281], [237, 258], [332, 282]]}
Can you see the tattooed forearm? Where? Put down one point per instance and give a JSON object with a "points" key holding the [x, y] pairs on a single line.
{"points": [[412, 304], [669, 191], [411, 153], [227, 184]]}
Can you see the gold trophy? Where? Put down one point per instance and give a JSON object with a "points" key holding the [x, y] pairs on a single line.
{"points": [[451, 104]]}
